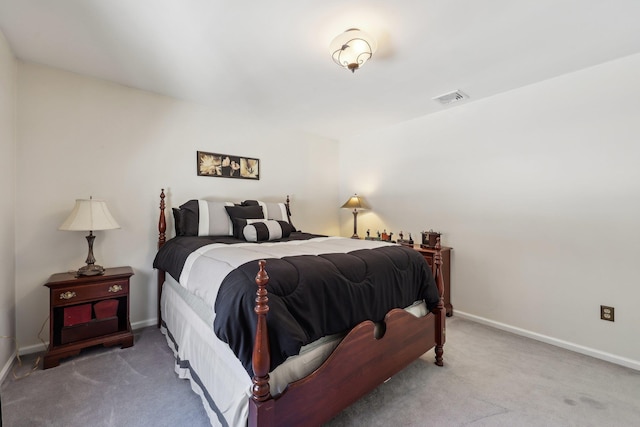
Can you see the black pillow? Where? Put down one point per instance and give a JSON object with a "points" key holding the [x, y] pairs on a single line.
{"points": [[178, 221], [239, 215], [277, 211], [187, 224]]}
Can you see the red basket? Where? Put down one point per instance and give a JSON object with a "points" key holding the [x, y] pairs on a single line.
{"points": [[106, 308], [77, 314]]}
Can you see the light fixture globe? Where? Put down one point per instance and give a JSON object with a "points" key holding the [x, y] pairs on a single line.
{"points": [[352, 49]]}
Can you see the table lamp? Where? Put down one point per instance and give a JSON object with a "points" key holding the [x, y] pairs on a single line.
{"points": [[356, 203], [89, 215]]}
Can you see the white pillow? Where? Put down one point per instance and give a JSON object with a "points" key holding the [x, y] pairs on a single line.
{"points": [[213, 219]]}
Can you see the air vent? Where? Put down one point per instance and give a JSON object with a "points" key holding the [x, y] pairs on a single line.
{"points": [[451, 97]]}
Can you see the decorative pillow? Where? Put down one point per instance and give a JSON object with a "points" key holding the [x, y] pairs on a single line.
{"points": [[239, 216], [203, 218], [277, 211], [178, 221], [260, 230]]}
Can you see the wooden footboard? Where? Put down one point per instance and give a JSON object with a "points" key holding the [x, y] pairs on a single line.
{"points": [[360, 363]]}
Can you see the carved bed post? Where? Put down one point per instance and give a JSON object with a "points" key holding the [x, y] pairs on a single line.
{"points": [[162, 222], [261, 405], [162, 238], [288, 206], [441, 312]]}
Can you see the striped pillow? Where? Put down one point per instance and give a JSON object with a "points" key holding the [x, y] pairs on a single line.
{"points": [[204, 218], [260, 230]]}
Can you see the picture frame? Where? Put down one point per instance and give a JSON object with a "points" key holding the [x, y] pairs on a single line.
{"points": [[227, 165]]}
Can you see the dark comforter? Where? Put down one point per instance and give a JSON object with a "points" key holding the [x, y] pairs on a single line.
{"points": [[310, 296]]}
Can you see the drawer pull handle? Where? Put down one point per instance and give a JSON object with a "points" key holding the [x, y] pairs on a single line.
{"points": [[67, 295], [115, 288]]}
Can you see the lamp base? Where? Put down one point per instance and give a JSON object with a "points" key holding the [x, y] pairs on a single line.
{"points": [[355, 224], [90, 270]]}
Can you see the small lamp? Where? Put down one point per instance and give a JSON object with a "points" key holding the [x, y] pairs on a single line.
{"points": [[89, 215], [356, 203]]}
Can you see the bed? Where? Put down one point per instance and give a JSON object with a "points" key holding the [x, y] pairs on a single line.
{"points": [[258, 367]]}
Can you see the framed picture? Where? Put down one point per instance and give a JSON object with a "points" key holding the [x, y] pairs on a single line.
{"points": [[227, 166]]}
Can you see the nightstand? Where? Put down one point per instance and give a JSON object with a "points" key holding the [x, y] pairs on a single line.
{"points": [[87, 311], [428, 254]]}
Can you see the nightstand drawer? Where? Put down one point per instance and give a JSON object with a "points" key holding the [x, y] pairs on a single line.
{"points": [[88, 292]]}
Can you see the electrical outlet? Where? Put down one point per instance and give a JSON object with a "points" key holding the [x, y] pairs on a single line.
{"points": [[607, 313]]}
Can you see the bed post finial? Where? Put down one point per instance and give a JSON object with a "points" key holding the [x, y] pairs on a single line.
{"points": [[261, 360], [440, 309]]}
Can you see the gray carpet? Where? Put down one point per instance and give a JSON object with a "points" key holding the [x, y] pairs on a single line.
{"points": [[136, 386], [490, 378]]}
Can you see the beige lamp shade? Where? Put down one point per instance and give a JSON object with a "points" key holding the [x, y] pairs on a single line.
{"points": [[89, 215], [355, 202]]}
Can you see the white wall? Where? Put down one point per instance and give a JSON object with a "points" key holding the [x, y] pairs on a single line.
{"points": [[538, 192], [79, 136], [7, 189]]}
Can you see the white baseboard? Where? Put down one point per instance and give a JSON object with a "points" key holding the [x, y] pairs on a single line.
{"points": [[618, 360], [144, 323], [7, 367], [37, 348]]}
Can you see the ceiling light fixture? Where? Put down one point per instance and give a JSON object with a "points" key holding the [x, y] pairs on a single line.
{"points": [[352, 49]]}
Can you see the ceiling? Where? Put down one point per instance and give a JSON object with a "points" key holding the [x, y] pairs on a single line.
{"points": [[269, 60]]}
